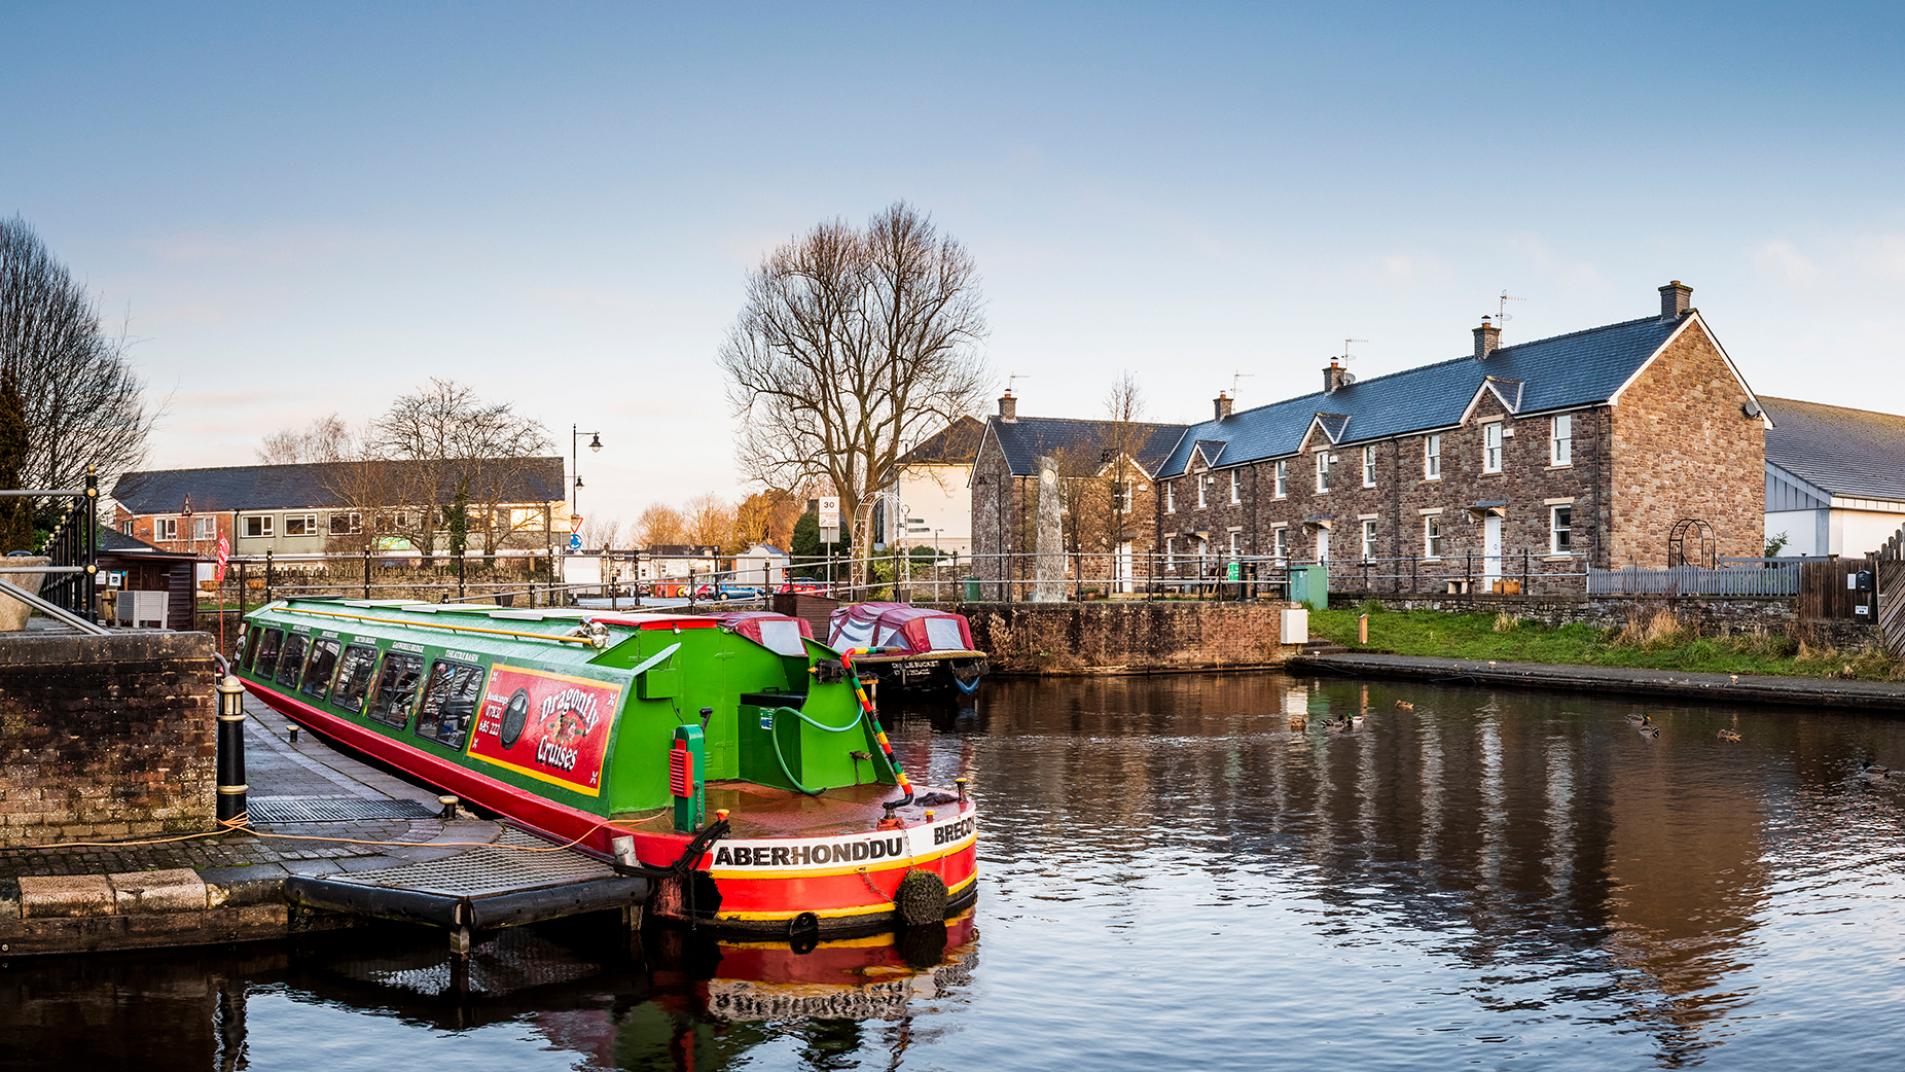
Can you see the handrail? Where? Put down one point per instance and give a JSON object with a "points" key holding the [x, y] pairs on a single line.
{"points": [[55, 611], [448, 628]]}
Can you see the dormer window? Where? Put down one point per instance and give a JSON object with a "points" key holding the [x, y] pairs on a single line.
{"points": [[1322, 471], [1203, 482], [1492, 447]]}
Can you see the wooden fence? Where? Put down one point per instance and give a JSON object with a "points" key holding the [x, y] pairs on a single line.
{"points": [[1891, 589], [1771, 580], [1825, 595]]}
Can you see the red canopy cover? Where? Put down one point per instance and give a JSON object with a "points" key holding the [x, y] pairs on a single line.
{"points": [[911, 629], [775, 632]]}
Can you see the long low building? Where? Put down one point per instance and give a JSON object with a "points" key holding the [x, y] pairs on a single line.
{"points": [[1835, 478]]}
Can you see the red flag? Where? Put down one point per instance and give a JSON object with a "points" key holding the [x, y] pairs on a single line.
{"points": [[224, 555]]}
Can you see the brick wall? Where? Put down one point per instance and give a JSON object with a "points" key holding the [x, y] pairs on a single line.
{"points": [[105, 736], [1100, 638], [1684, 449]]}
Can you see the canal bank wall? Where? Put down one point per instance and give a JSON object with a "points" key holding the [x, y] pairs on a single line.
{"points": [[1676, 684], [1113, 637], [1706, 615], [105, 737]]}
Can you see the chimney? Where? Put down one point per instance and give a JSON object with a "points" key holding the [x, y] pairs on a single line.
{"points": [[1222, 404], [1676, 300], [1008, 406], [1333, 376], [1487, 338]]}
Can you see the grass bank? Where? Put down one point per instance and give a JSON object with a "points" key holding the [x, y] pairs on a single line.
{"points": [[1657, 642]]}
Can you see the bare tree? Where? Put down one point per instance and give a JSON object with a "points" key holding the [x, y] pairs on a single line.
{"points": [[468, 455], [710, 521], [326, 439], [660, 525], [83, 403], [600, 531], [851, 346], [1124, 435]]}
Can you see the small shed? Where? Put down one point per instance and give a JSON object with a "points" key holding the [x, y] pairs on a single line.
{"points": [[762, 563], [157, 588]]}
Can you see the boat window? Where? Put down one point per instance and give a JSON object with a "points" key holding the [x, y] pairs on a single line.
{"points": [[449, 703], [396, 688], [267, 655], [317, 676], [291, 660], [353, 677]]}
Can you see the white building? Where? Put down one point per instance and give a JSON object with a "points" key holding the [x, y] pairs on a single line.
{"points": [[763, 560], [931, 502], [1835, 477]]}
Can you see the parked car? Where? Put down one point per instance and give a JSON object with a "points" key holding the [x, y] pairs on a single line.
{"points": [[803, 586]]}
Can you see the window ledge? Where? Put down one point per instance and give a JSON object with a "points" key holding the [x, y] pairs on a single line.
{"points": [[1431, 480], [1563, 465], [1493, 472]]}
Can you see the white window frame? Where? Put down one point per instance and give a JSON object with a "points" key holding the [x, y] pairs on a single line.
{"points": [[1280, 543], [353, 523], [1432, 536], [1432, 456], [1283, 478], [308, 522], [1369, 466], [1492, 451], [160, 527], [1170, 496], [266, 526], [204, 527], [1203, 484], [1561, 440], [1323, 471], [1369, 539], [1170, 554], [1555, 529], [1236, 489], [1236, 543]]}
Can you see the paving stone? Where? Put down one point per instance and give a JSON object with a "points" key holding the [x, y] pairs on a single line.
{"points": [[42, 896], [172, 890]]}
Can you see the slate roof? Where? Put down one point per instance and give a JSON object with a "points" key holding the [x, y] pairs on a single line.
{"points": [[955, 444], [113, 542], [1578, 369], [313, 484], [1026, 439], [1856, 453]]}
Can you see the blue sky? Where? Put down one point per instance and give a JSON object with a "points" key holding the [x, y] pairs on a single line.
{"points": [[300, 210]]}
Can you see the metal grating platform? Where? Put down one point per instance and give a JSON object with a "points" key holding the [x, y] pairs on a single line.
{"points": [[271, 812], [480, 872]]}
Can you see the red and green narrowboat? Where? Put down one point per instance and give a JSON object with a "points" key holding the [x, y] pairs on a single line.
{"points": [[737, 762]]}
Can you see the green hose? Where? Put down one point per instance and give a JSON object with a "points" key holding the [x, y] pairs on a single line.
{"points": [[774, 734]]}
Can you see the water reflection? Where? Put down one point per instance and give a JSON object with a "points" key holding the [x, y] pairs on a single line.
{"points": [[1173, 875]]}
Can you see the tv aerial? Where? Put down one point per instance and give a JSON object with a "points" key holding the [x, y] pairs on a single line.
{"points": [[1501, 308]]}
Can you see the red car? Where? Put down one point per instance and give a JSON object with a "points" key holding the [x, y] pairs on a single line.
{"points": [[803, 586]]}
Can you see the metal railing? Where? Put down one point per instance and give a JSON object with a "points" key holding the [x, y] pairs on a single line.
{"points": [[73, 547], [1770, 579]]}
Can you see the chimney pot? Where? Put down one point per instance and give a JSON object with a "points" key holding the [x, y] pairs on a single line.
{"points": [[1008, 406], [1333, 377], [1223, 405], [1676, 300], [1488, 338]]}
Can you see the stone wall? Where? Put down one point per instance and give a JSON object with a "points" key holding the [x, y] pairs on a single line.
{"points": [[1125, 638], [1712, 616], [105, 736], [1683, 448]]}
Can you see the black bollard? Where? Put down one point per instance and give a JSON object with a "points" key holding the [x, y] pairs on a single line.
{"points": [[231, 753]]}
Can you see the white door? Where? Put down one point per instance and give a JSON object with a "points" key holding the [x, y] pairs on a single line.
{"points": [[1491, 550], [1322, 545]]}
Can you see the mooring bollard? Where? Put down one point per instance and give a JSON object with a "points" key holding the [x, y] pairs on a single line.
{"points": [[231, 753]]}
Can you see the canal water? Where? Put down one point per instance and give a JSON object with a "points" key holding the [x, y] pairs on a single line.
{"points": [[1173, 876]]}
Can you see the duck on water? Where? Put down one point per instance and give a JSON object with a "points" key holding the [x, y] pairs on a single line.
{"points": [[736, 761]]}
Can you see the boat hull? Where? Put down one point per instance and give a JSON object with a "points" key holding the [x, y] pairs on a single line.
{"points": [[742, 886]]}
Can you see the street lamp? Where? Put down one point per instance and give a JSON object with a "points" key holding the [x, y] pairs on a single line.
{"points": [[575, 439]]}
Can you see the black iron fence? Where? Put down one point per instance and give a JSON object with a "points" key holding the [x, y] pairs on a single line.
{"points": [[69, 579]]}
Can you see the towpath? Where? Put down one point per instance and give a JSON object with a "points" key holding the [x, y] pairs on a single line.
{"points": [[1714, 688], [228, 887]]}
